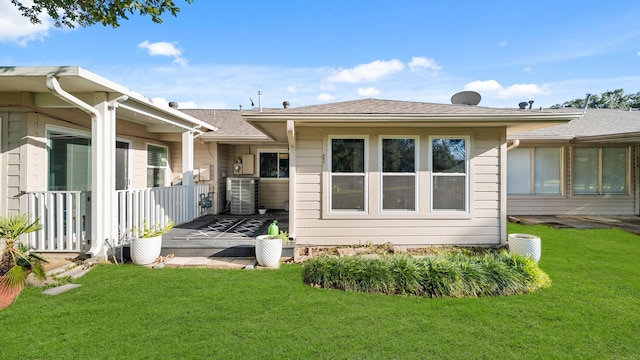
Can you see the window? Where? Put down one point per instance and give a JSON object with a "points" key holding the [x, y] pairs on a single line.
{"points": [[534, 171], [274, 164], [449, 174], [157, 165], [600, 171], [348, 174], [399, 173], [69, 161]]}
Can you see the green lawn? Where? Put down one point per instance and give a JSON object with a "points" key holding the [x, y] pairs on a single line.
{"points": [[592, 310]]}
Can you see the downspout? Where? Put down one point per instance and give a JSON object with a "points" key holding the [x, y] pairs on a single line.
{"points": [[54, 86], [291, 138], [514, 144]]}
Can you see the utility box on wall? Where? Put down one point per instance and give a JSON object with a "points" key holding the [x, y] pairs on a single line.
{"points": [[205, 173], [247, 164]]}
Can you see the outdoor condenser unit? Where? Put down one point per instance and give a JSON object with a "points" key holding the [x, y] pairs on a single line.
{"points": [[242, 195]]}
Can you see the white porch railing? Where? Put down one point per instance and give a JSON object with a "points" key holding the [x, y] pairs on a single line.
{"points": [[66, 215], [63, 215]]}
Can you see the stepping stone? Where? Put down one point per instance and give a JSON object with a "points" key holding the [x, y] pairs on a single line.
{"points": [[60, 289]]}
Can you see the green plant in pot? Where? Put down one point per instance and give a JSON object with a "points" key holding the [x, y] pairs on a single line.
{"points": [[146, 242], [269, 247], [17, 260]]}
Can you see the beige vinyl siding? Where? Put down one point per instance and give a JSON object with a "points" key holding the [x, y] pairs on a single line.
{"points": [[273, 193], [568, 204], [316, 227]]}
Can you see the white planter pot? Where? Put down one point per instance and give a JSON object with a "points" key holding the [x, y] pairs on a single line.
{"points": [[268, 251], [146, 250], [526, 245]]}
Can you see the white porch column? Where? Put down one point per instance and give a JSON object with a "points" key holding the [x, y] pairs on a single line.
{"points": [[187, 171], [291, 137], [103, 204]]}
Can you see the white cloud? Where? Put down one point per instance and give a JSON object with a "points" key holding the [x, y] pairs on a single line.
{"points": [[418, 63], [522, 90], [17, 28], [481, 86], [325, 97], [503, 43], [527, 69], [368, 91], [494, 88], [368, 72], [292, 89], [163, 48], [638, 53]]}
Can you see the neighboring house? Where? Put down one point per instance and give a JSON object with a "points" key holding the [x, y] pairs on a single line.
{"points": [[377, 171], [91, 158], [589, 166]]}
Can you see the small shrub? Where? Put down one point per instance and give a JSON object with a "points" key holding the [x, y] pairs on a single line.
{"points": [[457, 274]]}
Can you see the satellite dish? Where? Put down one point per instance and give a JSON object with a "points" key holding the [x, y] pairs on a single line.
{"points": [[466, 98]]}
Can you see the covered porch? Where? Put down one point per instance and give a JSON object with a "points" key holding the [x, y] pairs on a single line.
{"points": [[120, 153]]}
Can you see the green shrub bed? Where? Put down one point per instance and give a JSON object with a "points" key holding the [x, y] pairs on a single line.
{"points": [[455, 274]]}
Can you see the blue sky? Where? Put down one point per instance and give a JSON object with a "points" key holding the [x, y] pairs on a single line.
{"points": [[220, 53]]}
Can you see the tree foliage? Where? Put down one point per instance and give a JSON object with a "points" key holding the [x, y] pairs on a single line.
{"points": [[610, 99], [72, 13]]}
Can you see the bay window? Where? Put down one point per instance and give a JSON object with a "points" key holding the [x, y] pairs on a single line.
{"points": [[348, 174], [399, 155], [449, 174]]}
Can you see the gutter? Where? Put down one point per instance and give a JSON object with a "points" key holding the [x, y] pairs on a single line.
{"points": [[171, 122]]}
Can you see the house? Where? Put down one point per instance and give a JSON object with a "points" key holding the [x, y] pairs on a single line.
{"points": [[376, 171], [92, 159], [588, 166]]}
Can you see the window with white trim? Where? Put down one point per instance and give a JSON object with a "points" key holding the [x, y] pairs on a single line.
{"points": [[274, 164], [399, 172], [449, 174], [69, 160], [600, 170], [534, 171], [348, 174], [157, 165]]}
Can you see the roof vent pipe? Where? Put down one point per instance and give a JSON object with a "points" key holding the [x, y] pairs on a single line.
{"points": [[522, 105], [586, 101], [531, 104], [173, 104], [259, 101], [285, 104]]}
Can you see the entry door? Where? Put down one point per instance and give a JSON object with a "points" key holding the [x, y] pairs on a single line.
{"points": [[122, 165]]}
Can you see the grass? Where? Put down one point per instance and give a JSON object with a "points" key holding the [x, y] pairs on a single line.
{"points": [[591, 311]]}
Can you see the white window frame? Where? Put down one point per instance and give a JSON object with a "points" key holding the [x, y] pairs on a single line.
{"points": [[167, 175], [532, 173], [466, 175], [278, 152], [364, 174], [600, 167], [416, 169]]}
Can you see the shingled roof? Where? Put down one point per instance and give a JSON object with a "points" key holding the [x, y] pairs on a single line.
{"points": [[230, 124], [594, 122], [380, 106]]}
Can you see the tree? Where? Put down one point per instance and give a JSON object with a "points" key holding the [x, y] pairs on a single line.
{"points": [[71, 13], [610, 99]]}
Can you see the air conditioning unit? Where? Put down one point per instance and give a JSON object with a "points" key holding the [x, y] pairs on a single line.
{"points": [[242, 195]]}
